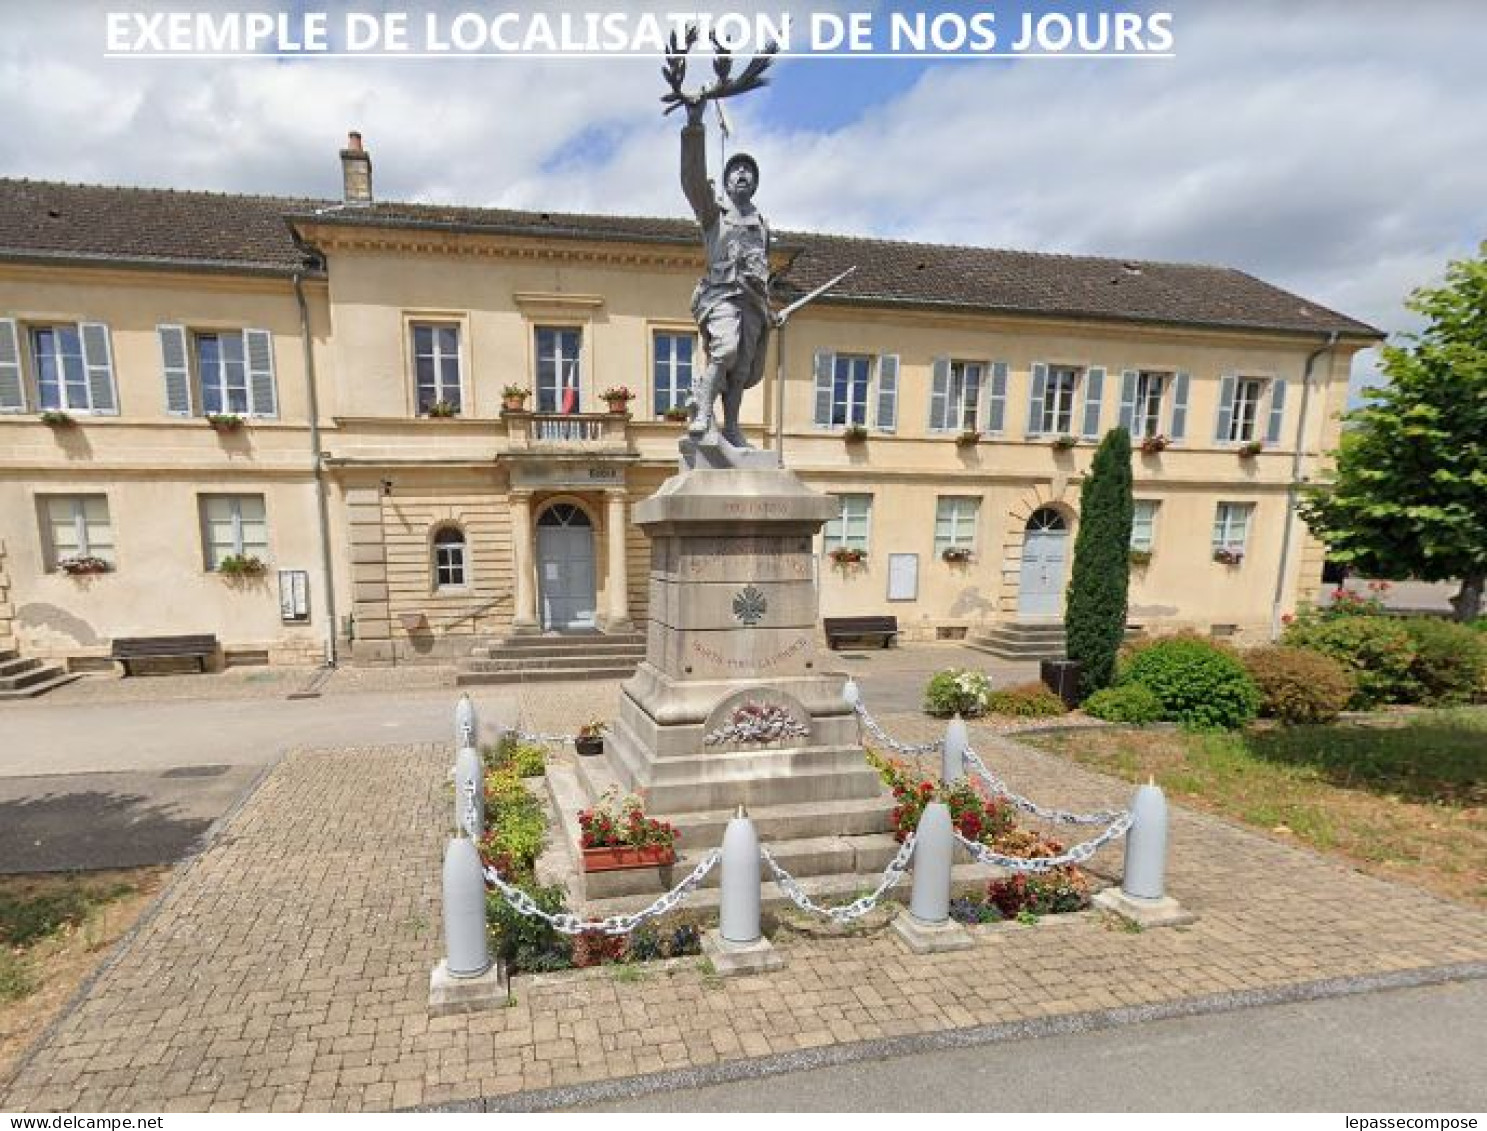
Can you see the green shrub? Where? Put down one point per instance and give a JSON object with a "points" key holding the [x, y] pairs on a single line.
{"points": [[1377, 651], [529, 943], [528, 759], [957, 692], [1299, 686], [515, 825], [1026, 700], [1095, 620], [1450, 664], [1201, 685], [1132, 703]]}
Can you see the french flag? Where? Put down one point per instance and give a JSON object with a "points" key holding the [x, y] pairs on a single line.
{"points": [[570, 388]]}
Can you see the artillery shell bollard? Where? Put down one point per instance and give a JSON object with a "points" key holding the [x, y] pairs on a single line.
{"points": [[738, 945], [1141, 898], [465, 978], [466, 722], [953, 751], [926, 926], [469, 774]]}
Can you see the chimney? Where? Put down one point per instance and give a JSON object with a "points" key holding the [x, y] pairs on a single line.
{"points": [[356, 170]]}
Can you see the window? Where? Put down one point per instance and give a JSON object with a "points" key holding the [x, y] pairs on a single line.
{"points": [[61, 381], [233, 525], [436, 365], [76, 526], [1247, 394], [1144, 525], [449, 558], [1231, 527], [955, 523], [1058, 400], [671, 384], [849, 530], [72, 368], [849, 380], [221, 374], [1148, 408], [956, 410], [558, 369]]}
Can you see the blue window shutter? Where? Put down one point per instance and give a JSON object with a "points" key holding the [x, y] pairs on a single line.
{"points": [[996, 403], [1037, 389], [1226, 408], [1277, 412], [1179, 427], [939, 395], [1094, 396], [176, 368], [825, 362], [258, 349], [98, 362], [887, 415], [1128, 400], [12, 389]]}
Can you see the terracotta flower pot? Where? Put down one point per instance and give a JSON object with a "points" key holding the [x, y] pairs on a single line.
{"points": [[618, 858], [513, 404], [619, 407]]}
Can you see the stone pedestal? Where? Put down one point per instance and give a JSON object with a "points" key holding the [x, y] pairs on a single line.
{"points": [[730, 705], [1144, 913]]}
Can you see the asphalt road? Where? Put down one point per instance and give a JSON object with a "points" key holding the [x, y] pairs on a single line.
{"points": [[1412, 1050]]}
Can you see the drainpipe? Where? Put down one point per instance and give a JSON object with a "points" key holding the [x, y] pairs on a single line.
{"points": [[1293, 491], [322, 505]]}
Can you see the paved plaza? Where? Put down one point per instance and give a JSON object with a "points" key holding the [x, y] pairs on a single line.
{"points": [[287, 965]]}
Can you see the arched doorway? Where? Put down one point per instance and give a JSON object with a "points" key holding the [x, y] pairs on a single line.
{"points": [[1045, 552], [565, 568]]}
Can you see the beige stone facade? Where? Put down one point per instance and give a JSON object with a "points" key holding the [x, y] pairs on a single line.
{"points": [[538, 503]]}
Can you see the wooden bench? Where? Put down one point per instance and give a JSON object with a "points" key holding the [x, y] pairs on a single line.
{"points": [[860, 628], [131, 648]]}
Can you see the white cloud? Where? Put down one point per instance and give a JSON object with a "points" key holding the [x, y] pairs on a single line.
{"points": [[1326, 147]]}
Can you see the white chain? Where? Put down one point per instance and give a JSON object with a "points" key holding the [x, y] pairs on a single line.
{"points": [[565, 922], [1079, 854], [846, 912], [998, 786], [872, 727], [529, 736]]}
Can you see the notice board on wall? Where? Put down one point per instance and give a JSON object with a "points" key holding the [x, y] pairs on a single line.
{"points": [[903, 577]]}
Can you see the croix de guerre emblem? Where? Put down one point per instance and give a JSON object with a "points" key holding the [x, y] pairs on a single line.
{"points": [[750, 605]]}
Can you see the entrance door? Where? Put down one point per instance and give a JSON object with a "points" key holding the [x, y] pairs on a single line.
{"points": [[1045, 548], [565, 568]]}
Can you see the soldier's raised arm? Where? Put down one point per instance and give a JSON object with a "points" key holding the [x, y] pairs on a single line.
{"points": [[695, 184]]}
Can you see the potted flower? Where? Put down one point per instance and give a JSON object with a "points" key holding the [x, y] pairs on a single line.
{"points": [[854, 433], [968, 439], [1140, 557], [846, 555], [79, 565], [956, 555], [1151, 445], [677, 413], [616, 833], [1065, 442], [514, 398], [1251, 449], [618, 398], [443, 410], [590, 738], [241, 565], [57, 418], [1228, 555], [224, 421]]}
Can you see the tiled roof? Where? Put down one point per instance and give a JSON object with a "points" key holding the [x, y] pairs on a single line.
{"points": [[46, 220]]}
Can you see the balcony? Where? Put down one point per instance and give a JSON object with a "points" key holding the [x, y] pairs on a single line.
{"points": [[587, 433]]}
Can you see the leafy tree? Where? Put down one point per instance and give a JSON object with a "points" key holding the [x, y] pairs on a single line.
{"points": [[1095, 623], [1410, 493]]}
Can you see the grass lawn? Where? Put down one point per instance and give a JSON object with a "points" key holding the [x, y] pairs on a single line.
{"points": [[54, 930], [1407, 801]]}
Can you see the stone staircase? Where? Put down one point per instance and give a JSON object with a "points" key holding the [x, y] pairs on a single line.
{"points": [[1021, 640], [530, 659], [22, 678]]}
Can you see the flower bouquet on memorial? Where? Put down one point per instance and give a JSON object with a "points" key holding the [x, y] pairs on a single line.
{"points": [[616, 833], [590, 738]]}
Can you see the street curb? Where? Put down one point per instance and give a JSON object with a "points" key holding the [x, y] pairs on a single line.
{"points": [[633, 1087]]}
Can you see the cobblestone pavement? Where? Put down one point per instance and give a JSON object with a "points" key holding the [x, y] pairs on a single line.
{"points": [[287, 967]]}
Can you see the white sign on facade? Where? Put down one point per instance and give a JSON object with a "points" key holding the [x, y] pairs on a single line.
{"points": [[294, 595], [903, 577]]}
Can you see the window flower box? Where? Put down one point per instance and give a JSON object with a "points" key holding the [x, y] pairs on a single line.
{"points": [[1153, 445], [847, 555], [617, 398], [1251, 449], [677, 414], [443, 410], [1228, 555], [968, 439], [514, 398], [1141, 557], [224, 421], [621, 858], [81, 565], [854, 433], [1064, 443], [956, 555], [241, 565], [57, 419], [616, 833]]}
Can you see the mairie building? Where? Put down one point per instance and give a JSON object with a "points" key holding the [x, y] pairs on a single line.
{"points": [[285, 422]]}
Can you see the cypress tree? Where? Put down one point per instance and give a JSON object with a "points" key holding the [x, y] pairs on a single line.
{"points": [[1095, 622]]}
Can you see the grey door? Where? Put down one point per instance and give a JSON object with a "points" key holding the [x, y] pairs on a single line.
{"points": [[565, 568], [1045, 548]]}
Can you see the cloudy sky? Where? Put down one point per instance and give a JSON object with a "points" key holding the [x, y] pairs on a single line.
{"points": [[1338, 149]]}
